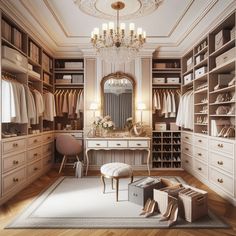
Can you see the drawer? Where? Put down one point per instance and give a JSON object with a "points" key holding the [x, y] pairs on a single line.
{"points": [[221, 180], [222, 162], [34, 168], [12, 162], [187, 162], [34, 154], [47, 160], [34, 141], [201, 154], [187, 148], [48, 148], [186, 137], [201, 141], [139, 144], [222, 146], [117, 144], [12, 146], [48, 137], [201, 168], [97, 144], [15, 179]]}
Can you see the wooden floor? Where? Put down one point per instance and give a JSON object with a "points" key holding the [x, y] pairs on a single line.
{"points": [[9, 210]]}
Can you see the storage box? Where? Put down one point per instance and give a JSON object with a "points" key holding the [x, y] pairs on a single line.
{"points": [[221, 38], [193, 203], [46, 78], [227, 56], [189, 61], [162, 195], [188, 78], [77, 79], [174, 80], [199, 58], [159, 65], [232, 33], [158, 80], [173, 126], [63, 81], [14, 56], [160, 126], [200, 72], [74, 65], [138, 194]]}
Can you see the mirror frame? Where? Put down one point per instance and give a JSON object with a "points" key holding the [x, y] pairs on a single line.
{"points": [[118, 75]]}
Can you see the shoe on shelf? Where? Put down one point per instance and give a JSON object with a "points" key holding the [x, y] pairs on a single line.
{"points": [[230, 132], [223, 131], [232, 82], [231, 111]]}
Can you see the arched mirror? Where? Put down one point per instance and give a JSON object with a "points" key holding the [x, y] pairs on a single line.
{"points": [[117, 97]]}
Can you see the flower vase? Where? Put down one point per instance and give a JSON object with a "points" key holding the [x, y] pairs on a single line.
{"points": [[98, 131], [104, 132]]}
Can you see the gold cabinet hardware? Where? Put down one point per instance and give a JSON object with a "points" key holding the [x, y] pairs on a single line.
{"points": [[186, 161], [220, 181], [199, 168], [199, 154], [15, 179], [199, 140], [186, 137], [220, 163], [15, 162], [220, 145], [15, 145]]}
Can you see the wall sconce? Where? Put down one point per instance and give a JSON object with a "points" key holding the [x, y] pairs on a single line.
{"points": [[93, 107], [141, 107]]}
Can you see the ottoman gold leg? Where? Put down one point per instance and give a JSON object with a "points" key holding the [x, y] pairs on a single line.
{"points": [[104, 185]]}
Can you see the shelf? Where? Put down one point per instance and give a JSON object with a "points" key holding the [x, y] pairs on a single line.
{"points": [[220, 103], [34, 78], [200, 104], [12, 67], [166, 84], [202, 51], [201, 78], [227, 89], [223, 115], [225, 67], [199, 113], [47, 72], [32, 62], [201, 63], [188, 84], [201, 124], [224, 48], [67, 71], [188, 72], [68, 85], [47, 84], [204, 90], [13, 46]]}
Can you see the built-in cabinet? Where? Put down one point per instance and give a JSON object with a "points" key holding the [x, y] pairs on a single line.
{"points": [[208, 151]]}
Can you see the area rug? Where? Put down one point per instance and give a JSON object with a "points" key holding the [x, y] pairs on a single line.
{"points": [[80, 203]]}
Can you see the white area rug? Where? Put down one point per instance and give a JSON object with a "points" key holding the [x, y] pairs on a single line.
{"points": [[80, 203]]}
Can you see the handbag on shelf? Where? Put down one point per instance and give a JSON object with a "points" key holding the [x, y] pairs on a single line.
{"points": [[222, 110]]}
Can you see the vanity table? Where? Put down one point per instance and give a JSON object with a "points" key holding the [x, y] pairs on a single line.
{"points": [[117, 143]]}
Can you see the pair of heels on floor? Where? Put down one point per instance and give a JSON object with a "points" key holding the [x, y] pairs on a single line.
{"points": [[149, 209], [171, 213]]}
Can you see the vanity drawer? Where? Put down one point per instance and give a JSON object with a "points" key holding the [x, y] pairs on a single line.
{"points": [[187, 162], [201, 168], [201, 154], [117, 144], [48, 148], [12, 146], [186, 137], [221, 180], [12, 180], [34, 168], [47, 160], [12, 162], [48, 137], [222, 146], [187, 148], [222, 162], [138, 144], [97, 144], [34, 154], [201, 141], [34, 141]]}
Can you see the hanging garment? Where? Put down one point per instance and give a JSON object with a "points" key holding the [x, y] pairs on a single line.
{"points": [[49, 106], [65, 107], [31, 109], [173, 105], [39, 105]]}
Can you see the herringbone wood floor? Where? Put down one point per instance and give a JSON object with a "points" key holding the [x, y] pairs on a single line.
{"points": [[9, 210]]}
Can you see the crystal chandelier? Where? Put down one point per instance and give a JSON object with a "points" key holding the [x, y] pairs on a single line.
{"points": [[116, 44]]}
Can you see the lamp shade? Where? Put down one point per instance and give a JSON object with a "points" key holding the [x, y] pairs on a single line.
{"points": [[93, 106], [141, 106]]}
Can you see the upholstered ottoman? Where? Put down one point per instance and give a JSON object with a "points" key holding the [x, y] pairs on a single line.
{"points": [[115, 170]]}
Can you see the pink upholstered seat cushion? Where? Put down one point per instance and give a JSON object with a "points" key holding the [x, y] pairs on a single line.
{"points": [[116, 169], [68, 145]]}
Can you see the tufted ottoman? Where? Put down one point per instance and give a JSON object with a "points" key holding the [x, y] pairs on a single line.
{"points": [[115, 170]]}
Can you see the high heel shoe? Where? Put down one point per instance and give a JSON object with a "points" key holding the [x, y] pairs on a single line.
{"points": [[222, 132], [173, 215], [151, 209], [230, 132], [166, 215], [146, 206]]}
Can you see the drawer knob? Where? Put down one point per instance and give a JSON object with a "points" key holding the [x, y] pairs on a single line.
{"points": [[15, 180], [199, 140], [220, 181], [186, 137], [220, 145], [138, 144], [220, 163], [36, 140], [15, 162], [48, 137], [15, 144], [186, 149], [97, 144], [35, 168], [35, 154], [199, 154], [118, 144], [186, 161], [199, 168]]}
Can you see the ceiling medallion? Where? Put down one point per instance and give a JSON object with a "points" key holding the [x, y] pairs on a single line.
{"points": [[133, 8], [114, 43]]}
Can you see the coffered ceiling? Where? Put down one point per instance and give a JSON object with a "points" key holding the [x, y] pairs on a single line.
{"points": [[172, 28]]}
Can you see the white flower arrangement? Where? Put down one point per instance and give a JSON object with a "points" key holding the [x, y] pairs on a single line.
{"points": [[105, 122]]}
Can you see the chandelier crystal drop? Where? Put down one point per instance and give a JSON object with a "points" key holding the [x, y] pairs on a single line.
{"points": [[116, 44]]}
